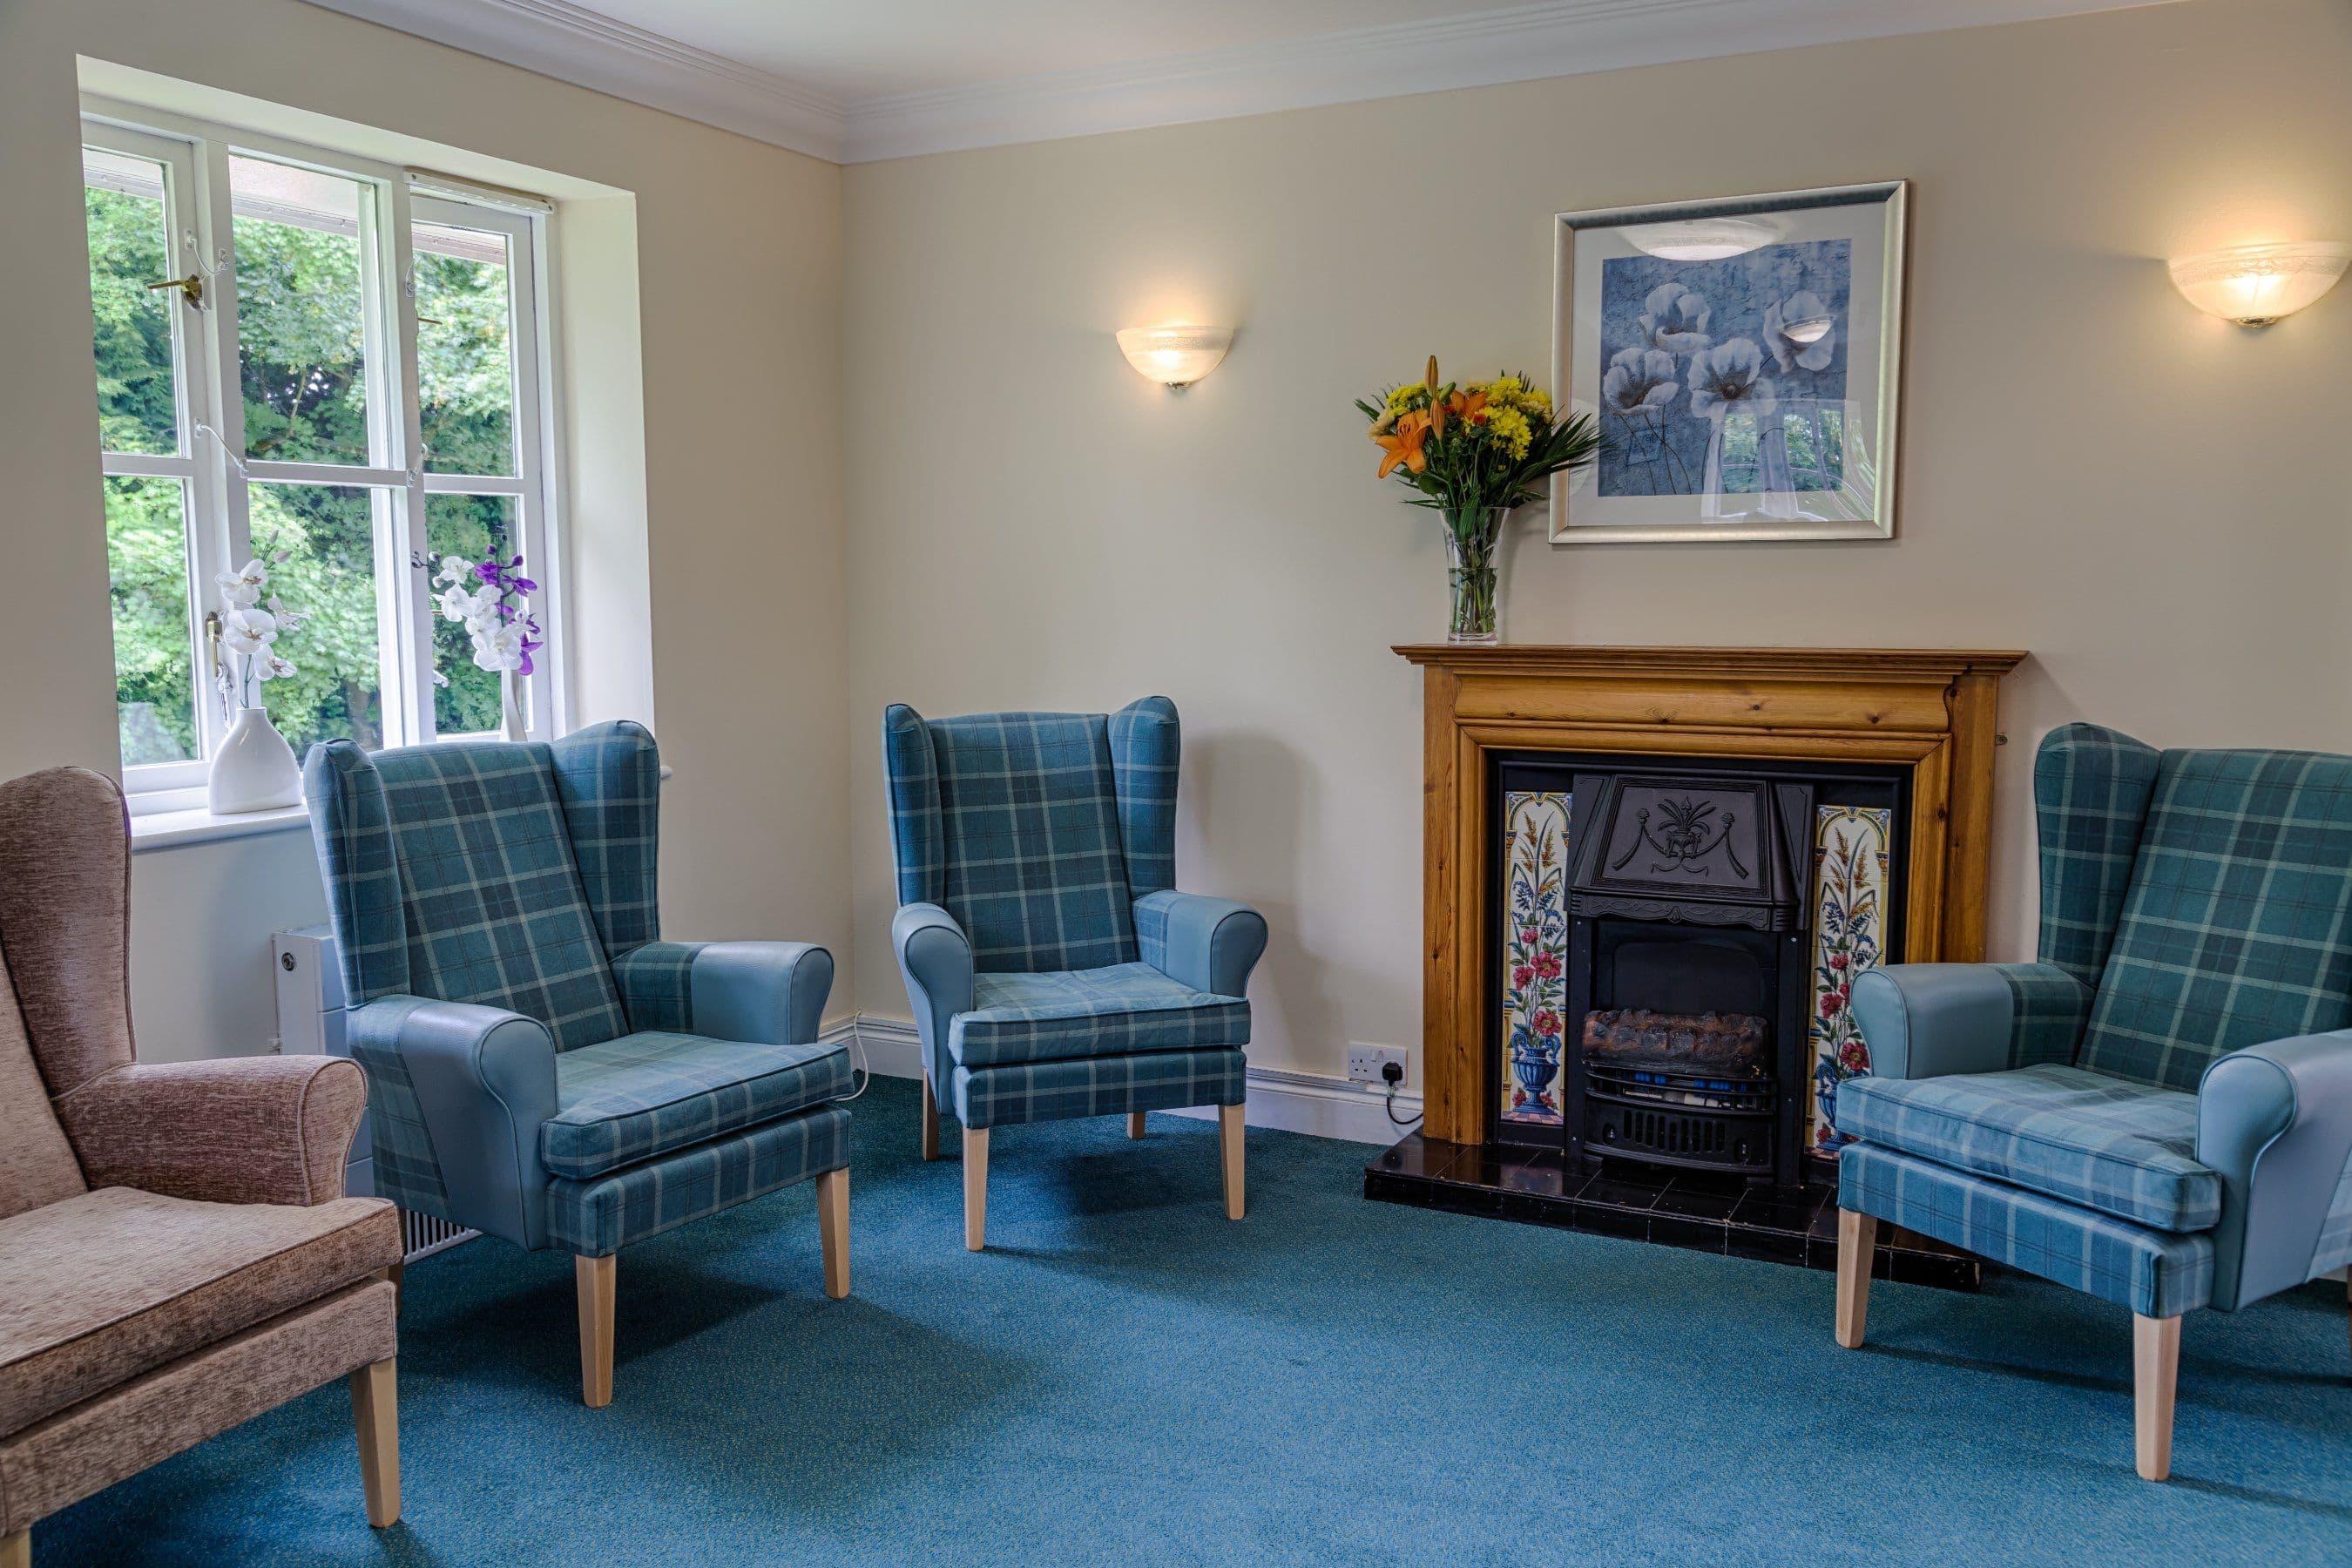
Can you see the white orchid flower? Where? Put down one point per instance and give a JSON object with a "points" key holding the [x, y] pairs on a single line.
{"points": [[500, 648], [287, 620], [466, 607], [242, 586], [248, 631], [455, 569], [272, 666]]}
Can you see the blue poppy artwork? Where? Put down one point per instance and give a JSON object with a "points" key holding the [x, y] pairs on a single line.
{"points": [[1727, 376]]}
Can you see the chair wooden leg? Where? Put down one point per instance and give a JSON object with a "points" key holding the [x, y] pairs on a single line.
{"points": [[16, 1551], [930, 1119], [1229, 1128], [1135, 1124], [1857, 1242], [395, 1274], [975, 1188], [593, 1277], [2155, 1373], [832, 1223], [375, 1412]]}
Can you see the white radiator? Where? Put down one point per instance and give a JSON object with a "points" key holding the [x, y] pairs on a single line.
{"points": [[310, 1023]]}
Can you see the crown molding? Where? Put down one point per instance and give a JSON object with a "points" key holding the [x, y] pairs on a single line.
{"points": [[1522, 43], [573, 44]]}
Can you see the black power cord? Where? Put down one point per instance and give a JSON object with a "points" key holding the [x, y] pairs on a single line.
{"points": [[1392, 1074]]}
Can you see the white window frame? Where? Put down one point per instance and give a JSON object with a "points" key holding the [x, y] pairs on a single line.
{"points": [[195, 156]]}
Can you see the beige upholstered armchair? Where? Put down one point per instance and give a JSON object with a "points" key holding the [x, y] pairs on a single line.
{"points": [[176, 1255]]}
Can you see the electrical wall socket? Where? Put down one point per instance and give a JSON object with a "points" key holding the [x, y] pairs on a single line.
{"points": [[1365, 1062]]}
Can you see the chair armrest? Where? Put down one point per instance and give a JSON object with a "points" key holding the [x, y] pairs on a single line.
{"points": [[234, 1130], [461, 1092], [935, 958], [1210, 944], [2275, 1120], [1929, 1020], [769, 992]]}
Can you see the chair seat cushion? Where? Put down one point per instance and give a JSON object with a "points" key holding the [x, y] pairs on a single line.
{"points": [[2122, 1147], [653, 1094], [104, 1285], [1124, 1009]]}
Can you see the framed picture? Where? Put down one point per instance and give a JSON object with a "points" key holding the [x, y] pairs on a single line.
{"points": [[1743, 358]]}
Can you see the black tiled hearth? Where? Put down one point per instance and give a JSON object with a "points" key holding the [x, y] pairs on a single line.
{"points": [[1703, 1211]]}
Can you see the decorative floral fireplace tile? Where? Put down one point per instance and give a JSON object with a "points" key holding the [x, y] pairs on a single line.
{"points": [[1535, 866], [1849, 907]]}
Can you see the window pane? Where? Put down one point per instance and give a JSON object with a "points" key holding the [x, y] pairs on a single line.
{"points": [[147, 573], [465, 353], [300, 315], [129, 247], [326, 534], [472, 527]]}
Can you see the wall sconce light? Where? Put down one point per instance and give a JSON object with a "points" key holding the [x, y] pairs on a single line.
{"points": [[1175, 357], [2254, 285]]}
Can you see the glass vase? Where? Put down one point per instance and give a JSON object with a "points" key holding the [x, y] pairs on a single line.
{"points": [[1473, 540]]}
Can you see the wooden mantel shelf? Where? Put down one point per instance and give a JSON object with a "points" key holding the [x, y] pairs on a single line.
{"points": [[1931, 663], [1930, 710]]}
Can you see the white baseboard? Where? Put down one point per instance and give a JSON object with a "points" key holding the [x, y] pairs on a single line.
{"points": [[1312, 1103]]}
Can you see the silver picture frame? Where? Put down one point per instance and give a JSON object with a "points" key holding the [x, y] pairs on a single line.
{"points": [[1725, 421]]}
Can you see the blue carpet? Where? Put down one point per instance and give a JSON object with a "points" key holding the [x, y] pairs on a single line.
{"points": [[1127, 1376]]}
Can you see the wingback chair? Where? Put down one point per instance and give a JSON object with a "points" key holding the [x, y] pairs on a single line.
{"points": [[2159, 1110], [546, 1070], [176, 1253], [1053, 970]]}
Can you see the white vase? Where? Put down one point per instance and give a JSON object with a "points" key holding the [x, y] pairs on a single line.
{"points": [[254, 768], [511, 718]]}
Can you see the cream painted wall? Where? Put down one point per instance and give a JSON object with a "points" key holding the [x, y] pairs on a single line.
{"points": [[732, 491], [2150, 499]]}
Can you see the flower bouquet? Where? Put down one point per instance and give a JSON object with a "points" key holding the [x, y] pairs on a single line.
{"points": [[1471, 454], [488, 597]]}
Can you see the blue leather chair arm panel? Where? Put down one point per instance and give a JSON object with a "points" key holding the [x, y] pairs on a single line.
{"points": [[484, 1080], [770, 993], [1210, 944], [935, 957], [2275, 1120], [1929, 1020]]}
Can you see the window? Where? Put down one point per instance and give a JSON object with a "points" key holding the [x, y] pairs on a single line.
{"points": [[332, 367]]}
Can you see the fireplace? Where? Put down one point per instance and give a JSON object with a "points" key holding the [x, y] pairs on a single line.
{"points": [[1649, 875], [1658, 953]]}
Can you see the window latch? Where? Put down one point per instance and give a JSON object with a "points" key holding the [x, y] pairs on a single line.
{"points": [[192, 286]]}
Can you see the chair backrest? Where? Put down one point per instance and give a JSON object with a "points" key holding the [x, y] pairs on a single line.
{"points": [[2234, 925], [485, 872], [65, 1004], [1036, 831]]}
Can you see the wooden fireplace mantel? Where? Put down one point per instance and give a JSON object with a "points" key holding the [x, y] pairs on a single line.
{"points": [[1931, 710]]}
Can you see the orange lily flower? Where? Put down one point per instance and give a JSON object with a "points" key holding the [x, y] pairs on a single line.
{"points": [[1403, 444]]}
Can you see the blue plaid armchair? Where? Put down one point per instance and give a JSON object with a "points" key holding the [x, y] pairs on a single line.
{"points": [[1053, 969], [2159, 1110], [543, 1066]]}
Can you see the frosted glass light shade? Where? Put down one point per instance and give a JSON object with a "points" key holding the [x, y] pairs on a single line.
{"points": [[2254, 285], [1175, 357], [1703, 238]]}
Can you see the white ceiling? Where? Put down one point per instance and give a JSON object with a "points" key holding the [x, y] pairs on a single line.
{"points": [[855, 80], [872, 48]]}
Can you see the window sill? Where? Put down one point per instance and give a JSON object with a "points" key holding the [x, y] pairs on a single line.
{"points": [[171, 829]]}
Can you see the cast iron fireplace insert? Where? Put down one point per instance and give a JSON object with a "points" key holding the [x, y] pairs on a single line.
{"points": [[1655, 1055]]}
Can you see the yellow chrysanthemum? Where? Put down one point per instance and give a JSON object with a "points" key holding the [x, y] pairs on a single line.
{"points": [[1510, 430]]}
